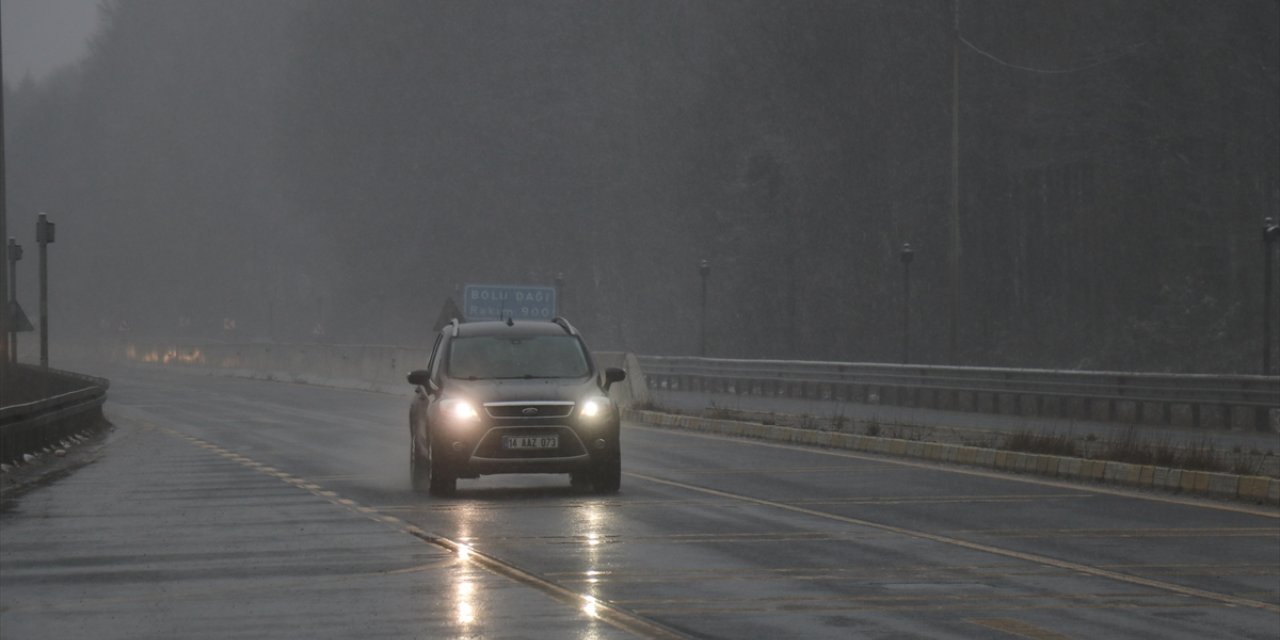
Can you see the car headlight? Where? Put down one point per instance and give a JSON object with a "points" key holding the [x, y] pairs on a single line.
{"points": [[595, 407], [459, 410]]}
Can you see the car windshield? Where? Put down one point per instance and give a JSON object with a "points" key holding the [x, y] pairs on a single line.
{"points": [[491, 357]]}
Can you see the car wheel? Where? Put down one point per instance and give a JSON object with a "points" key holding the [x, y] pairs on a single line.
{"points": [[419, 467], [607, 476], [579, 479], [442, 482]]}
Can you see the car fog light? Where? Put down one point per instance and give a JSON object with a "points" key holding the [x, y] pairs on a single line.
{"points": [[600, 443]]}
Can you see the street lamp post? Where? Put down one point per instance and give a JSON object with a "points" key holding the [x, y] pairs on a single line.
{"points": [[1270, 237], [906, 254], [15, 254], [704, 269], [44, 236]]}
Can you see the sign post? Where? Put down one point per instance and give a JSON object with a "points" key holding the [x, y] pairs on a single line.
{"points": [[14, 255], [500, 302], [44, 236]]}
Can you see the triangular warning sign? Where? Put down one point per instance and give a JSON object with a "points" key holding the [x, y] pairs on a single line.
{"points": [[17, 319]]}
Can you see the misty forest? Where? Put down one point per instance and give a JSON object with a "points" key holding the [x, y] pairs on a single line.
{"points": [[339, 170]]}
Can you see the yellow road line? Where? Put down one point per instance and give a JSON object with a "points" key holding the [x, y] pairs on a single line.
{"points": [[975, 546], [593, 608], [1017, 628]]}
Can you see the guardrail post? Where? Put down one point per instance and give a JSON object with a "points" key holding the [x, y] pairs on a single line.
{"points": [[1261, 414]]}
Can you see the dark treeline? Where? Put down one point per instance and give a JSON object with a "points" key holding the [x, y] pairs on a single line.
{"points": [[298, 163]]}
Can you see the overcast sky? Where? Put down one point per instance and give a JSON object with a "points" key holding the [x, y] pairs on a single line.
{"points": [[42, 35]]}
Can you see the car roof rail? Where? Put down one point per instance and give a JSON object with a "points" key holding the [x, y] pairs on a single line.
{"points": [[568, 328], [454, 325]]}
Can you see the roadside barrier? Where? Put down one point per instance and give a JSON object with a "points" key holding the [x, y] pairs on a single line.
{"points": [[1248, 403], [1224, 400], [370, 367], [65, 403], [1183, 400]]}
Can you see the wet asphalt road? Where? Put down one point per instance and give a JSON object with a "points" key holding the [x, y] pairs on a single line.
{"points": [[233, 508]]}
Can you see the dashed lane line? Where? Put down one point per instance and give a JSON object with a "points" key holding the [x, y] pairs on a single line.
{"points": [[908, 608], [593, 608], [1199, 532]]}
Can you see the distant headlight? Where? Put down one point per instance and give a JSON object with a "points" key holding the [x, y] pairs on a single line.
{"points": [[459, 410], [594, 407]]}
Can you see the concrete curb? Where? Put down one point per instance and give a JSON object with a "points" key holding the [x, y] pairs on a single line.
{"points": [[1258, 489]]}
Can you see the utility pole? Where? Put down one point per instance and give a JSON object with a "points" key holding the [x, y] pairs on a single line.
{"points": [[704, 269], [906, 255], [44, 236], [5, 356], [953, 255], [1270, 238]]}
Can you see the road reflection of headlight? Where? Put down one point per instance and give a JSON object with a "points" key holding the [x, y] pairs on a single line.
{"points": [[466, 608], [464, 552], [590, 606]]}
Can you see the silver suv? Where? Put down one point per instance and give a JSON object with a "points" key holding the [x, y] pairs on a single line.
{"points": [[513, 397]]}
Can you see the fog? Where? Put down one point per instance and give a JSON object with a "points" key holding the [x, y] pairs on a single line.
{"points": [[336, 171], [41, 36]]}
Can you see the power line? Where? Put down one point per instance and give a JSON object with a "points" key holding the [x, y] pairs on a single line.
{"points": [[1130, 50], [1127, 51]]}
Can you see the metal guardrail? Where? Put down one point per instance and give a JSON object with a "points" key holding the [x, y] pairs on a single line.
{"points": [[1188, 400], [1191, 400], [29, 426]]}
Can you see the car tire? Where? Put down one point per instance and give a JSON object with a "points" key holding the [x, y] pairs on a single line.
{"points": [[607, 476], [579, 479], [419, 467], [442, 482]]}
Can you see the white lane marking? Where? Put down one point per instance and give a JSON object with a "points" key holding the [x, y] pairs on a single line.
{"points": [[976, 546], [949, 468]]}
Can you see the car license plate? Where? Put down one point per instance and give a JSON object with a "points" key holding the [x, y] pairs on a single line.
{"points": [[531, 442]]}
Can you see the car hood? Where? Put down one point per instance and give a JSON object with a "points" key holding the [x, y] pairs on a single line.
{"points": [[538, 389]]}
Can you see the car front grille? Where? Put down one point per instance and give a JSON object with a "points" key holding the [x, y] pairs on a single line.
{"points": [[528, 410]]}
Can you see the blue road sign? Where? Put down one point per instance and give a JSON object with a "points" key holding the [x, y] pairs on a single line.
{"points": [[499, 302]]}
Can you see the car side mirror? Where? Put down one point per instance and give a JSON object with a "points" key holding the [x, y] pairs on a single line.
{"points": [[612, 375], [420, 377]]}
